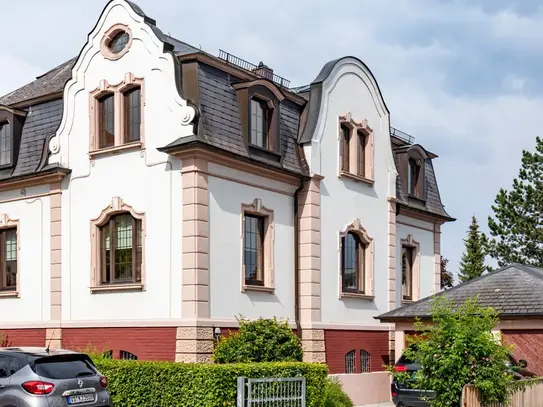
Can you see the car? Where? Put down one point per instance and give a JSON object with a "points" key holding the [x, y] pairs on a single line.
{"points": [[40, 377], [403, 395]]}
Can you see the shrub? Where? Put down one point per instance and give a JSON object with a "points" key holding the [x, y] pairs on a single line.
{"points": [[263, 340], [168, 384], [459, 348], [334, 396], [4, 340]]}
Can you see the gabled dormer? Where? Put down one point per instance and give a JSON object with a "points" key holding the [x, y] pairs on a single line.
{"points": [[11, 128]]}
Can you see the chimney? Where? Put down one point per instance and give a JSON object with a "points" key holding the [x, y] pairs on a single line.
{"points": [[264, 71]]}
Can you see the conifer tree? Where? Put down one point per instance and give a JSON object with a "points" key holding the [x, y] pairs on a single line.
{"points": [[472, 264], [517, 224]]}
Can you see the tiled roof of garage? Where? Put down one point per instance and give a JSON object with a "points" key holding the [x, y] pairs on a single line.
{"points": [[513, 291]]}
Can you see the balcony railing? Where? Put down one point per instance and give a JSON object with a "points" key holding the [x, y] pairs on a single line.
{"points": [[402, 135]]}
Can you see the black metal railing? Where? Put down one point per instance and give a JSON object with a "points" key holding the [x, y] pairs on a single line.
{"points": [[259, 70], [402, 135]]}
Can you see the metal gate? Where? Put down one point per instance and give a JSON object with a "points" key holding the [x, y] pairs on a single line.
{"points": [[271, 392]]}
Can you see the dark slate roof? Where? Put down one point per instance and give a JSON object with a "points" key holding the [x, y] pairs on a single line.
{"points": [[220, 122], [513, 291], [41, 122], [433, 202]]}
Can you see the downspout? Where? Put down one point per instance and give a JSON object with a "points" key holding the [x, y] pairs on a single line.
{"points": [[297, 261]]}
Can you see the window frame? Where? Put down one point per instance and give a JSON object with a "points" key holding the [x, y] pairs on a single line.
{"points": [[267, 113], [7, 224], [351, 353], [360, 263], [367, 274], [121, 106], [100, 101], [8, 126], [127, 108], [365, 356], [357, 163], [117, 207], [109, 36], [256, 209], [413, 292]]}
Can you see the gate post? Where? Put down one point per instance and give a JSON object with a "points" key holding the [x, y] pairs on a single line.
{"points": [[241, 392]]}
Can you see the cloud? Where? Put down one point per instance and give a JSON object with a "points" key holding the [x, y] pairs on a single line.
{"points": [[462, 76]]}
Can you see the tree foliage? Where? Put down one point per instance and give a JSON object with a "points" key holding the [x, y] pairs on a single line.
{"points": [[459, 348], [472, 264], [517, 224], [263, 340], [447, 279]]}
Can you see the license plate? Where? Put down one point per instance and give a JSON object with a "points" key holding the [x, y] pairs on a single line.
{"points": [[80, 398]]}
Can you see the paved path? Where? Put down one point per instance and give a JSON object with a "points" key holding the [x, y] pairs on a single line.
{"points": [[390, 404]]}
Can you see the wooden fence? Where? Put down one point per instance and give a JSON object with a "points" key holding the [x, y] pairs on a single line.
{"points": [[529, 396]]}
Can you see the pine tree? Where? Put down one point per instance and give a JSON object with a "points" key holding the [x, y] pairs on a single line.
{"points": [[447, 279], [472, 264], [517, 225]]}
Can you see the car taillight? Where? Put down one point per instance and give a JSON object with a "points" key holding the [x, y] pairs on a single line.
{"points": [[38, 388], [401, 368], [394, 394], [103, 381]]}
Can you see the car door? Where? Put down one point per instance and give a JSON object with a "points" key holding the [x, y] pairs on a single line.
{"points": [[5, 397]]}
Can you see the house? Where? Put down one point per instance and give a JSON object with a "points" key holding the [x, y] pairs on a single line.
{"points": [[513, 291], [150, 192]]}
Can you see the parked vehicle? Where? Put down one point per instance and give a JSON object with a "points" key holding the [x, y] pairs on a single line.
{"points": [[38, 377], [403, 395]]}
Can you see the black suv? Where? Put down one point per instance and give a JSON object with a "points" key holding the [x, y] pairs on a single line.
{"points": [[403, 395]]}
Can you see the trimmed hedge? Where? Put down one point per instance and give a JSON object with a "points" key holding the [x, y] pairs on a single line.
{"points": [[167, 384]]}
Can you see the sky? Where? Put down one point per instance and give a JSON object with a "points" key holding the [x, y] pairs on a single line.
{"points": [[461, 76]]}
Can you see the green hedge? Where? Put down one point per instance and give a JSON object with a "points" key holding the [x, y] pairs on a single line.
{"points": [[167, 384]]}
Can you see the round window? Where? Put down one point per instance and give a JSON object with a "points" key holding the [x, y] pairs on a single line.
{"points": [[119, 42]]}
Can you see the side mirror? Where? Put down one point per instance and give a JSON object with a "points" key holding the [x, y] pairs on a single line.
{"points": [[522, 363]]}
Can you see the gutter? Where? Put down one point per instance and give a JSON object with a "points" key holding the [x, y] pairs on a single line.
{"points": [[297, 262]]}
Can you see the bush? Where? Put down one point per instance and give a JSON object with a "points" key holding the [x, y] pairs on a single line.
{"points": [[168, 384], [263, 340], [334, 396], [459, 348]]}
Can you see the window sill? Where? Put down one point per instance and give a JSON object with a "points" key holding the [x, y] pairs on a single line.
{"points": [[138, 145], [360, 296], [355, 177], [9, 294], [406, 301], [116, 287], [259, 288], [264, 153]]}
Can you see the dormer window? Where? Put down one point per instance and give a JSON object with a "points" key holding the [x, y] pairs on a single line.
{"points": [[260, 123], [11, 128], [5, 144], [413, 176], [411, 162], [260, 109]]}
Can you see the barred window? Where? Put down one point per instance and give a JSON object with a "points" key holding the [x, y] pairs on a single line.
{"points": [[365, 361], [127, 355], [350, 365]]}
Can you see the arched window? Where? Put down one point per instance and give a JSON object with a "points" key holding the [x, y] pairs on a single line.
{"points": [[121, 249], [350, 365], [127, 355], [365, 361], [353, 260]]}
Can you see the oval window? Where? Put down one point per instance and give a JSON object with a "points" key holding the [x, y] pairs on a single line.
{"points": [[119, 42]]}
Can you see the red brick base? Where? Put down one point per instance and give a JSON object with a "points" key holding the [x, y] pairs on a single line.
{"points": [[339, 343], [145, 343], [25, 337], [528, 345]]}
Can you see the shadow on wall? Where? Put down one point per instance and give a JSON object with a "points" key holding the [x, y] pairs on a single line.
{"points": [[366, 388]]}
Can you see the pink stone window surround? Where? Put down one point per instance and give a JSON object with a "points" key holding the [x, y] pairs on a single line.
{"points": [[363, 253], [410, 269], [116, 42], [257, 247], [356, 153], [9, 257], [118, 248], [117, 116]]}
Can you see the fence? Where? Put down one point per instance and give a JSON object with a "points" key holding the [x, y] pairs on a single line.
{"points": [[271, 392], [529, 396]]}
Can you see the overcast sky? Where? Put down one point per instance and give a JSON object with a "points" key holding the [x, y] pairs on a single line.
{"points": [[462, 76]]}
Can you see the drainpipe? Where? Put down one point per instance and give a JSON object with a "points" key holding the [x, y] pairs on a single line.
{"points": [[297, 261]]}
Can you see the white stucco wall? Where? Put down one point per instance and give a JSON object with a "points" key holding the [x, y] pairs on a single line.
{"points": [[423, 235], [225, 239], [33, 271], [351, 88], [142, 179]]}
